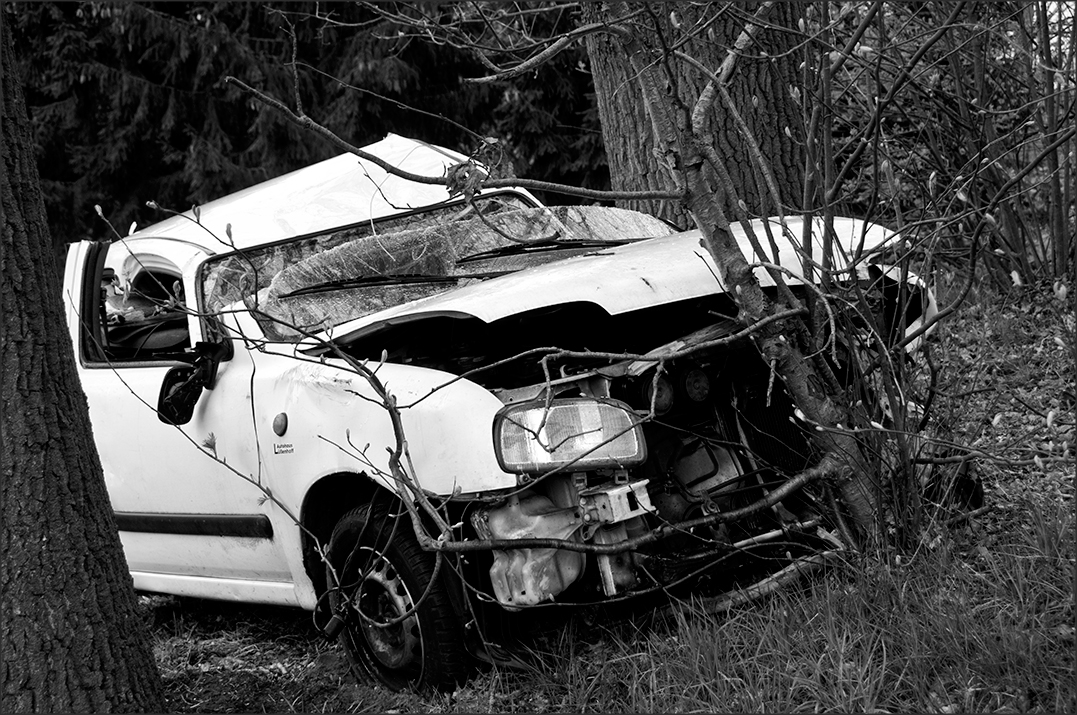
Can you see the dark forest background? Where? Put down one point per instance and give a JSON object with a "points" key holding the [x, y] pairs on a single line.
{"points": [[129, 104]]}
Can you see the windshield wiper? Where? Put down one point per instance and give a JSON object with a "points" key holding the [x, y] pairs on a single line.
{"points": [[549, 244], [389, 279], [378, 279]]}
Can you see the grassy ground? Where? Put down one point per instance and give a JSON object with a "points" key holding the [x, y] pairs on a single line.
{"points": [[979, 619]]}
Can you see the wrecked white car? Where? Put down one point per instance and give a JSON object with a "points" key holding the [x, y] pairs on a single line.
{"points": [[297, 388]]}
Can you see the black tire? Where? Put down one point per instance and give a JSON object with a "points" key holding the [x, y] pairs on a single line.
{"points": [[382, 568]]}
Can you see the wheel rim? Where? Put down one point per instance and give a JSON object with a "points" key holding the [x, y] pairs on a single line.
{"points": [[383, 597]]}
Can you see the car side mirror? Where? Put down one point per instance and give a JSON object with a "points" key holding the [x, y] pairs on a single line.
{"points": [[179, 394], [183, 384]]}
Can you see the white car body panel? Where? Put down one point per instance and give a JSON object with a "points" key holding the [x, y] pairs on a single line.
{"points": [[278, 593], [246, 559]]}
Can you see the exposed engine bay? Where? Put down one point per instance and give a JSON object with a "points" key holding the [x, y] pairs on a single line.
{"points": [[717, 433]]}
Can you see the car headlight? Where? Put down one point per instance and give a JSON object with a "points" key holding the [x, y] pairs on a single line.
{"points": [[533, 437]]}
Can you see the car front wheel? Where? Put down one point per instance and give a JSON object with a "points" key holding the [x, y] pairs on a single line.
{"points": [[401, 628]]}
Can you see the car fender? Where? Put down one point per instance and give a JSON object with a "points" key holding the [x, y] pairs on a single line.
{"points": [[315, 419]]}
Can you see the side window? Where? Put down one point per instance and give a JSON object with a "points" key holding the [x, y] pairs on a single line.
{"points": [[141, 313]]}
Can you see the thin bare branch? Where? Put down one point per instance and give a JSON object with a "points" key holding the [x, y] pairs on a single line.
{"points": [[309, 124]]}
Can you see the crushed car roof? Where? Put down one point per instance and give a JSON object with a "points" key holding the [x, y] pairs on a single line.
{"points": [[331, 193]]}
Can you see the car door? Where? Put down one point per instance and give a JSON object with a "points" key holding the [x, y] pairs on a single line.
{"points": [[187, 500]]}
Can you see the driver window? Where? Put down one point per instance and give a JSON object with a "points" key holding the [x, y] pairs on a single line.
{"points": [[142, 309]]}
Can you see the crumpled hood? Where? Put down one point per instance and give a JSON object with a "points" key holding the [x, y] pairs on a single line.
{"points": [[626, 278]]}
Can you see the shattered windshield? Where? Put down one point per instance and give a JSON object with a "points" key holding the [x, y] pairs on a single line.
{"points": [[313, 283]]}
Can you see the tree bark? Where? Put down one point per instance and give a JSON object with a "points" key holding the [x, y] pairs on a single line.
{"points": [[73, 640], [691, 159], [762, 94]]}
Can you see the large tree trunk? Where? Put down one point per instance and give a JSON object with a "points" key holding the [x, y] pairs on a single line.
{"points": [[688, 154], [73, 640], [762, 94]]}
